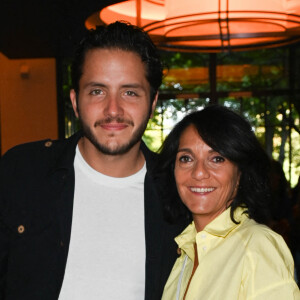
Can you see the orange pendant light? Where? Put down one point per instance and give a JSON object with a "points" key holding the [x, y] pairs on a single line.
{"points": [[210, 25]]}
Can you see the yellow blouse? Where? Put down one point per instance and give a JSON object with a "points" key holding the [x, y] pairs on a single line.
{"points": [[236, 261]]}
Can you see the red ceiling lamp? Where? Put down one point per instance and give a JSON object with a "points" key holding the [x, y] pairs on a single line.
{"points": [[210, 25]]}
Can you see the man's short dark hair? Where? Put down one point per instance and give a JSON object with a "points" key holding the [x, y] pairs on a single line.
{"points": [[126, 37]]}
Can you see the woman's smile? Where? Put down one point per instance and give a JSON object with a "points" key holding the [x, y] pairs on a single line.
{"points": [[206, 181]]}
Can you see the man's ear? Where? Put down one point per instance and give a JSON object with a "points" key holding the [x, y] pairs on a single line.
{"points": [[73, 98], [153, 105]]}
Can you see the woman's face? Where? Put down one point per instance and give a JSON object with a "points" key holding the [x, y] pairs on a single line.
{"points": [[206, 181]]}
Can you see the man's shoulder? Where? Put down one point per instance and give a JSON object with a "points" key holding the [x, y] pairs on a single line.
{"points": [[34, 149], [36, 152], [32, 146]]}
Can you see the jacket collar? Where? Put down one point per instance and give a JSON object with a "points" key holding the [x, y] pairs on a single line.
{"points": [[149, 155], [66, 158]]}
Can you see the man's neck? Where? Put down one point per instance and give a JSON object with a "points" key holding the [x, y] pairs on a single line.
{"points": [[112, 165]]}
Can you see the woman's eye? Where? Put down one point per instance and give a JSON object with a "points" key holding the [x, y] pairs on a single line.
{"points": [[218, 159], [185, 159]]}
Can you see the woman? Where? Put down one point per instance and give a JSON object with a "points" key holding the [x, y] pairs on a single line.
{"points": [[220, 172]]}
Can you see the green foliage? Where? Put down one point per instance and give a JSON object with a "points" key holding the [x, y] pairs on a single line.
{"points": [[184, 59]]}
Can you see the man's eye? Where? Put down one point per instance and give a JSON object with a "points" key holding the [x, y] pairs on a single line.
{"points": [[218, 159], [131, 93], [96, 92]]}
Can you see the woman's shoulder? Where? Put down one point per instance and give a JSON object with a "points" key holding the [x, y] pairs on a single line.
{"points": [[268, 263], [260, 239], [252, 232]]}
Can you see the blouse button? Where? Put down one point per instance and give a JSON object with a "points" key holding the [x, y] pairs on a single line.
{"points": [[204, 248], [21, 229], [203, 236], [48, 144]]}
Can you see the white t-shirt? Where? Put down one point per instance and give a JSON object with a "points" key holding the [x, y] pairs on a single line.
{"points": [[106, 257]]}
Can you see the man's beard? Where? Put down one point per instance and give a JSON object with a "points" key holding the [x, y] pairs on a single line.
{"points": [[118, 150]]}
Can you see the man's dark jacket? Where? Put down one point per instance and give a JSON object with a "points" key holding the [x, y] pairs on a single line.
{"points": [[36, 202]]}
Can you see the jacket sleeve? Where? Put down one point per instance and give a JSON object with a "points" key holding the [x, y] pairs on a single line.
{"points": [[7, 169]]}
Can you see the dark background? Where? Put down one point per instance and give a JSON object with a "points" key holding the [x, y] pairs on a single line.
{"points": [[44, 28]]}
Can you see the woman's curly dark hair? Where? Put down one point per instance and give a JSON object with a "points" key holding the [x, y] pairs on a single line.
{"points": [[231, 135]]}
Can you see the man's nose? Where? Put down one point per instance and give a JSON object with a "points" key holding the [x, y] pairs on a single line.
{"points": [[113, 106]]}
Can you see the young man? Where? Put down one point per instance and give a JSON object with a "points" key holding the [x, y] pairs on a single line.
{"points": [[81, 218]]}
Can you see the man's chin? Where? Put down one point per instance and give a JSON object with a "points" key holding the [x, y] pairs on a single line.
{"points": [[113, 149]]}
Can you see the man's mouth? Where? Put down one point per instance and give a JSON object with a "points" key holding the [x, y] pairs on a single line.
{"points": [[114, 126], [114, 123]]}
